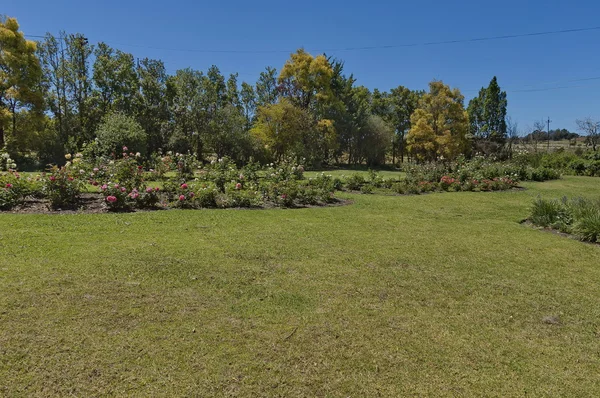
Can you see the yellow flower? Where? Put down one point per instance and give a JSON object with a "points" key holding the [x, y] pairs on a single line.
{"points": [[68, 156]]}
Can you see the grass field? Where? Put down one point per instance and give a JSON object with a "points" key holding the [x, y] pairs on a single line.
{"points": [[434, 295]]}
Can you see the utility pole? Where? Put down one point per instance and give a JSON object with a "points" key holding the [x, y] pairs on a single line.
{"points": [[549, 133]]}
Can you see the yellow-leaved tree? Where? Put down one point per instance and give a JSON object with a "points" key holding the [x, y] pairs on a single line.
{"points": [[439, 125], [280, 128], [20, 77], [305, 81]]}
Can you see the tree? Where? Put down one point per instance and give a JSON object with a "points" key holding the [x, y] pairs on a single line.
{"points": [[280, 128], [439, 125], [118, 130], [266, 87], [487, 118], [248, 100], [306, 80], [591, 128], [20, 77], [67, 85], [151, 103], [187, 107], [115, 79], [376, 136], [396, 108], [512, 134]]}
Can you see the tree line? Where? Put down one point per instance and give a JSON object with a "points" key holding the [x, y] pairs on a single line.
{"points": [[63, 93]]}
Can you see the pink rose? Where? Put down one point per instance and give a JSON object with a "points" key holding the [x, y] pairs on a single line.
{"points": [[181, 198], [116, 185], [238, 186], [149, 190], [191, 194], [70, 178], [157, 189], [123, 189], [184, 186], [125, 149], [9, 185], [111, 199], [52, 178]]}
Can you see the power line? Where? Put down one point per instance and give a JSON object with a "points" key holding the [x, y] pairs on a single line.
{"points": [[522, 89], [422, 44]]}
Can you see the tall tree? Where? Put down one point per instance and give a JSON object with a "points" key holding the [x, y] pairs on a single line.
{"points": [[248, 100], [487, 118], [152, 107], [78, 82], [115, 79], [306, 80], [396, 108], [20, 77], [266, 87], [439, 125]]}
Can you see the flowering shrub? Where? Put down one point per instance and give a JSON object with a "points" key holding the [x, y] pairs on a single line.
{"points": [[147, 198], [284, 171], [62, 186], [283, 193], [236, 197], [448, 183], [6, 163], [183, 197], [205, 195], [9, 195], [117, 197], [185, 165]]}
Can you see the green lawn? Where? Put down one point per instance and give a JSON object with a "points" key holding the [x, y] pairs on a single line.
{"points": [[436, 295]]}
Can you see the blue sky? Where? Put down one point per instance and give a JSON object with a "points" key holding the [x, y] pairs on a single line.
{"points": [[274, 28]]}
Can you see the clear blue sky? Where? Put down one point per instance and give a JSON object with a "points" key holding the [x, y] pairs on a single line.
{"points": [[530, 63]]}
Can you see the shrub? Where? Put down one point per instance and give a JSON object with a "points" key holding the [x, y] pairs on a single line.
{"points": [[117, 197], [117, 131], [62, 187], [184, 197], [355, 182], [578, 216], [587, 225], [366, 189], [546, 212], [147, 198], [9, 197], [14, 189], [206, 194], [283, 193]]}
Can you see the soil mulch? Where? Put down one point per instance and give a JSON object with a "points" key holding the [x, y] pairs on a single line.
{"points": [[93, 203]]}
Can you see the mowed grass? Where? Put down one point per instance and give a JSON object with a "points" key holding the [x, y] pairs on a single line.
{"points": [[435, 295]]}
